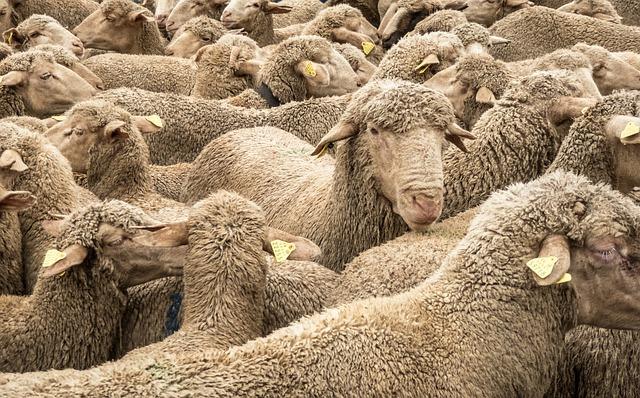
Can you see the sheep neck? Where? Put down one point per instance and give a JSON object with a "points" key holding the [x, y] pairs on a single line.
{"points": [[121, 170], [10, 254], [357, 216], [262, 30], [148, 41], [67, 309]]}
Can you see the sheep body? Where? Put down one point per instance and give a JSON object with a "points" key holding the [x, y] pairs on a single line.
{"points": [[70, 16]]}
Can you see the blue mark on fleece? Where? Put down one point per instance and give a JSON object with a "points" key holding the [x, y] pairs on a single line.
{"points": [[172, 323]]}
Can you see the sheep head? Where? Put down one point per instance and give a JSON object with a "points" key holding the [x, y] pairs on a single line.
{"points": [[247, 14], [400, 128], [15, 200], [402, 17], [110, 231], [599, 9], [163, 9], [194, 35], [44, 86], [358, 61], [184, 10], [42, 29], [6, 15], [486, 12], [609, 71], [114, 26]]}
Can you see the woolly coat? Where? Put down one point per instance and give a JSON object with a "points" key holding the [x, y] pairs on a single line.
{"points": [[11, 270], [70, 320], [11, 104], [539, 30], [191, 123], [482, 307], [70, 15], [49, 178], [149, 72], [336, 204], [440, 21], [629, 10]]}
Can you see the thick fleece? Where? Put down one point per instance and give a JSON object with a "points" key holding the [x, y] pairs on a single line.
{"points": [[482, 307], [440, 21], [629, 10], [70, 14], [11, 104], [536, 31]]}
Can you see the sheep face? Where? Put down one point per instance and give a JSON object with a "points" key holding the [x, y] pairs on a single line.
{"points": [[355, 31], [187, 9], [626, 150], [403, 16], [601, 9], [246, 14], [458, 89], [163, 10], [359, 63], [28, 35], [329, 75], [48, 88], [119, 234], [15, 200], [186, 43], [112, 29], [5, 15], [613, 73], [486, 12]]}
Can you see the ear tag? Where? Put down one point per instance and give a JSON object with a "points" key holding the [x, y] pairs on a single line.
{"points": [[630, 130], [542, 266], [59, 118], [325, 149], [367, 47], [52, 257], [565, 278], [155, 120], [309, 70], [9, 39], [282, 249]]}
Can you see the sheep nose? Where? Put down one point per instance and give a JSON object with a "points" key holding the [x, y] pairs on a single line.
{"points": [[169, 24], [225, 15], [427, 207], [168, 51], [161, 19]]}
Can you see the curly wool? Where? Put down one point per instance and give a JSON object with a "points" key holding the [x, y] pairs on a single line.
{"points": [[440, 21], [10, 102], [69, 16], [401, 60], [60, 54], [531, 37], [471, 32], [11, 275], [204, 26], [5, 51]]}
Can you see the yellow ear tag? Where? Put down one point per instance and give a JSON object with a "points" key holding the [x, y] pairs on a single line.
{"points": [[155, 120], [10, 38], [59, 118], [542, 266], [323, 151], [367, 47], [282, 249], [52, 257], [565, 278], [630, 130], [309, 70]]}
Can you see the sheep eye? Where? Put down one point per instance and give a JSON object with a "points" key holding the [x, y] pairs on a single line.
{"points": [[256, 5], [116, 242], [206, 39], [45, 76], [3, 13], [33, 35], [374, 131], [608, 255]]}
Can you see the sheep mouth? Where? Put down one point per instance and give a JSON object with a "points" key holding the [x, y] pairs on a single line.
{"points": [[229, 24], [419, 213]]}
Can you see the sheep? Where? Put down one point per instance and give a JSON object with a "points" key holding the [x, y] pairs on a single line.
{"points": [[5, 50], [42, 29], [37, 68], [28, 122], [191, 123], [6, 20], [600, 9], [168, 180], [476, 38], [484, 306], [472, 85], [358, 61], [356, 183], [163, 9], [255, 17], [530, 36], [69, 15], [149, 72], [184, 10], [417, 58], [610, 72], [67, 59], [630, 57], [11, 278], [439, 21], [121, 26], [403, 16], [487, 12], [629, 10], [345, 24], [193, 35], [47, 176], [72, 320], [368, 8]]}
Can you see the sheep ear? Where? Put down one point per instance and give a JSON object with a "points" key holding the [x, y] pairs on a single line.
{"points": [[16, 200], [87, 75], [485, 96], [570, 108], [198, 55], [12, 37], [275, 8], [12, 160], [305, 249], [344, 35], [625, 128], [53, 227], [556, 246], [73, 255], [340, 132], [388, 16], [455, 5], [148, 124], [250, 67], [13, 78], [114, 130], [516, 3], [165, 235], [497, 40], [605, 17], [455, 134], [314, 72], [140, 16], [431, 59]]}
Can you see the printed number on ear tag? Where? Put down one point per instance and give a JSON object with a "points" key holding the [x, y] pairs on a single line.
{"points": [[52, 257], [565, 278], [59, 118], [155, 120], [367, 47], [630, 130], [542, 266], [309, 70], [282, 249]]}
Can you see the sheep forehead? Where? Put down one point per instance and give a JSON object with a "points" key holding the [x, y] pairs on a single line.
{"points": [[25, 61], [472, 33], [98, 113], [35, 21], [225, 208], [202, 25], [118, 8], [61, 54]]}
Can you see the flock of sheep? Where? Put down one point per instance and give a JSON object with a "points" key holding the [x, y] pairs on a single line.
{"points": [[429, 198]]}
